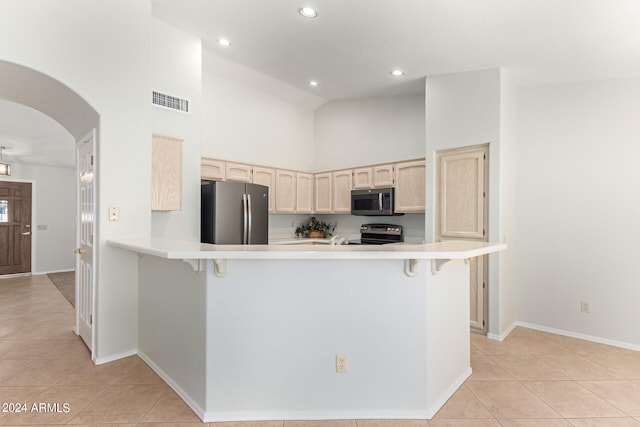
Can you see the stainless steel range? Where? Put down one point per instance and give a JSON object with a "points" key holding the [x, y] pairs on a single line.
{"points": [[379, 234]]}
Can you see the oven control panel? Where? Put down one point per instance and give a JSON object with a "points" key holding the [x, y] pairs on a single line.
{"points": [[385, 229]]}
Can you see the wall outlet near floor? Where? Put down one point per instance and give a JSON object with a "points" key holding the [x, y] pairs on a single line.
{"points": [[585, 307], [341, 363]]}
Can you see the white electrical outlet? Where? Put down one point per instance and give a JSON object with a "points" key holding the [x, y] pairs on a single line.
{"points": [[585, 307], [114, 214], [341, 363]]}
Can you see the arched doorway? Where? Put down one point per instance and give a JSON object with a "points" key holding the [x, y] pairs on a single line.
{"points": [[31, 88]]}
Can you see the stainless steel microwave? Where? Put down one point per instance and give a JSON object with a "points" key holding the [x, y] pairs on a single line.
{"points": [[373, 202]]}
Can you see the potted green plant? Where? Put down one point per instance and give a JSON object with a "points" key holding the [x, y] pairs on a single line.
{"points": [[314, 229]]}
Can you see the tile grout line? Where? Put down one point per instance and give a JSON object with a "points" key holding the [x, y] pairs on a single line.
{"points": [[153, 406]]}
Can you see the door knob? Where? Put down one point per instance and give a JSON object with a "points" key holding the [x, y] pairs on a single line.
{"points": [[78, 251], [26, 233]]}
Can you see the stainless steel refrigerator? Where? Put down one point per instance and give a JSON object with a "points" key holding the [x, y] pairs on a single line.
{"points": [[234, 213]]}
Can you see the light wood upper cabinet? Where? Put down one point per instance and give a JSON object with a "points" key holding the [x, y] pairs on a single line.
{"points": [[410, 185], [285, 191], [341, 191], [374, 177], [267, 177], [323, 192], [362, 178], [304, 192], [383, 176], [327, 192], [238, 172], [166, 174], [212, 169]]}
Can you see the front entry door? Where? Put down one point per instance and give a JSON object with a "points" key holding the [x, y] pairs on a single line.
{"points": [[15, 227], [85, 273]]}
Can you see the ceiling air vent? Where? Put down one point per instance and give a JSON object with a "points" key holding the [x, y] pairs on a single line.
{"points": [[172, 102]]}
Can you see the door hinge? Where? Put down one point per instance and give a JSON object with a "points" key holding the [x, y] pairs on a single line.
{"points": [[484, 232], [92, 160], [484, 157], [483, 323], [91, 319], [484, 195], [484, 285]]}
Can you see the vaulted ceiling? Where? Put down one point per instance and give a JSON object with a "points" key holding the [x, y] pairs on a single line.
{"points": [[352, 45]]}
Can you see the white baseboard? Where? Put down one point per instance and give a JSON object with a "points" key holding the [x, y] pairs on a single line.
{"points": [[11, 276], [114, 357], [585, 337], [42, 273], [435, 407], [179, 391], [214, 416], [504, 335]]}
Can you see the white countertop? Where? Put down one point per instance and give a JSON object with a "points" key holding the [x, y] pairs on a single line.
{"points": [[180, 249]]}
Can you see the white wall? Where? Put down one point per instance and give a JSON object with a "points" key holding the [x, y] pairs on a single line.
{"points": [[177, 71], [367, 131], [102, 51], [54, 206], [246, 120], [578, 206], [464, 109]]}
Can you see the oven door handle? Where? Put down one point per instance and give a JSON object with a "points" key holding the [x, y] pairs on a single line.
{"points": [[379, 201]]}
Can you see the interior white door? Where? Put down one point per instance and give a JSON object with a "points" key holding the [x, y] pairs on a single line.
{"points": [[86, 236]]}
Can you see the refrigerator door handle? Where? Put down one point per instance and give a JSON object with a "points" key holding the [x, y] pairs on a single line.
{"points": [[245, 218], [250, 222]]}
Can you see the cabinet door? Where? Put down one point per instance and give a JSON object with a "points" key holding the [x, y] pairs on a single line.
{"points": [[238, 172], [304, 192], [285, 191], [166, 174], [461, 213], [410, 186], [212, 169], [323, 192], [342, 191], [383, 176], [362, 178], [461, 193], [477, 293], [266, 176]]}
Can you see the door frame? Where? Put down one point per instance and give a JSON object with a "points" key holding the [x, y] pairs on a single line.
{"points": [[33, 221]]}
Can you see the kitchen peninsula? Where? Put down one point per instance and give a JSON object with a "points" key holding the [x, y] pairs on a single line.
{"points": [[253, 332]]}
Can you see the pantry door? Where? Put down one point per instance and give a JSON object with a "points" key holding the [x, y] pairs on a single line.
{"points": [[15, 227], [461, 214]]}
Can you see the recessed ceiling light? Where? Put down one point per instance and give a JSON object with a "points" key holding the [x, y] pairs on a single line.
{"points": [[224, 42], [397, 73], [308, 12], [314, 83]]}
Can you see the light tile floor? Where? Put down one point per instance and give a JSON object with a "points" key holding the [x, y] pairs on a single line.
{"points": [[531, 379]]}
